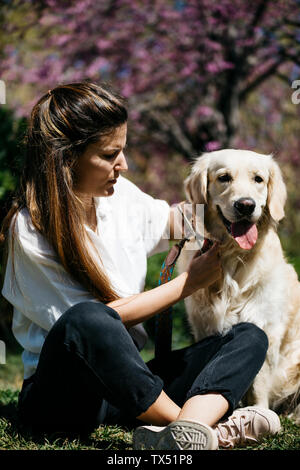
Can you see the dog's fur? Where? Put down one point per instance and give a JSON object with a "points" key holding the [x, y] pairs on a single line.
{"points": [[257, 284]]}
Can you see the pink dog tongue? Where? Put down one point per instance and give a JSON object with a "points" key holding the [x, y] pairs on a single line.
{"points": [[245, 234]]}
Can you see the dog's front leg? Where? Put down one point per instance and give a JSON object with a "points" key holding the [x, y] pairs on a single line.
{"points": [[258, 393]]}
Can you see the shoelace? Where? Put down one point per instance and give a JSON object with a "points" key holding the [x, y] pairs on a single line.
{"points": [[233, 431]]}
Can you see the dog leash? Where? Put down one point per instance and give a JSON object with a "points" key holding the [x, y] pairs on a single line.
{"points": [[164, 320]]}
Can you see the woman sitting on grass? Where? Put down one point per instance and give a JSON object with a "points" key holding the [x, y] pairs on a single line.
{"points": [[78, 237]]}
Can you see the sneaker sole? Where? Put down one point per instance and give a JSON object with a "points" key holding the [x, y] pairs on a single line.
{"points": [[179, 435]]}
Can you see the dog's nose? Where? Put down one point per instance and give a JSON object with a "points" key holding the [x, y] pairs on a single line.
{"points": [[245, 206]]}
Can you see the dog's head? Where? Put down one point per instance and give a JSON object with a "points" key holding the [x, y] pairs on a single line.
{"points": [[239, 189]]}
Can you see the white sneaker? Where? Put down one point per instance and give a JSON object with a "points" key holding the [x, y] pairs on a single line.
{"points": [[178, 435], [247, 425]]}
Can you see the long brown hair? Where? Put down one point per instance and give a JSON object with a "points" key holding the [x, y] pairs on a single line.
{"points": [[63, 122]]}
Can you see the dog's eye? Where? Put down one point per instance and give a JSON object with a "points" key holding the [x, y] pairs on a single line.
{"points": [[258, 179], [224, 178]]}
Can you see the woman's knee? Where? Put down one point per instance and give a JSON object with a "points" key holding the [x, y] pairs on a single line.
{"points": [[253, 336], [89, 318]]}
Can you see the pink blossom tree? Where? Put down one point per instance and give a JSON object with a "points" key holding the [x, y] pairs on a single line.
{"points": [[187, 67]]}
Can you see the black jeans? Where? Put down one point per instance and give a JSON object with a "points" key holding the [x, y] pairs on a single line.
{"points": [[90, 371]]}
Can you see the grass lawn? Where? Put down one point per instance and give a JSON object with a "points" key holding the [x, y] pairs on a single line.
{"points": [[106, 437]]}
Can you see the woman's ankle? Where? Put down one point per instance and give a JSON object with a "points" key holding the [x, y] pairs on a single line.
{"points": [[207, 409], [162, 412]]}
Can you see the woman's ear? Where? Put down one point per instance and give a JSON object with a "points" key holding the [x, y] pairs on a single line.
{"points": [[276, 192], [195, 184]]}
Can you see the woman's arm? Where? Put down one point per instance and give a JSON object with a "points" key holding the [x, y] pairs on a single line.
{"points": [[141, 307], [202, 271]]}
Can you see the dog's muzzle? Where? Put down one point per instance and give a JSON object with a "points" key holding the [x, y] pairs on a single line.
{"points": [[242, 230]]}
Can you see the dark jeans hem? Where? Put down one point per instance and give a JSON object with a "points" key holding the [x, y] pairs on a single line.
{"points": [[145, 403]]}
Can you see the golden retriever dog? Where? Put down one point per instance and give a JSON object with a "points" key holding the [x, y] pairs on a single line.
{"points": [[244, 196]]}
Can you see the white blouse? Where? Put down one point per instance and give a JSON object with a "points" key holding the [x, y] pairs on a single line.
{"points": [[131, 226]]}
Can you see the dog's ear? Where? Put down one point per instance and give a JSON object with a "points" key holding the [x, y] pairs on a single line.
{"points": [[195, 184], [276, 192]]}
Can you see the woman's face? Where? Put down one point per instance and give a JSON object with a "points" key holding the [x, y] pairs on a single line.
{"points": [[98, 168]]}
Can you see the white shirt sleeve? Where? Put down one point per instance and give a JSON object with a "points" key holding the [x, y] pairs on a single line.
{"points": [[37, 278]]}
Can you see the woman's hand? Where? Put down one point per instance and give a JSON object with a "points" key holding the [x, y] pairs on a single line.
{"points": [[204, 269]]}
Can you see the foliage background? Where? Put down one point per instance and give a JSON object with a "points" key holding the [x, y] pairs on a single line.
{"points": [[198, 75]]}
